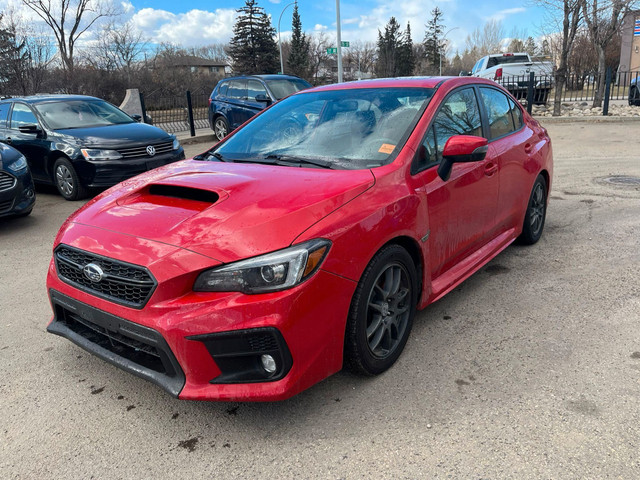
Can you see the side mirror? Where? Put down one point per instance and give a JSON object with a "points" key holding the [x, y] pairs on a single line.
{"points": [[137, 118], [261, 97], [30, 128], [461, 148]]}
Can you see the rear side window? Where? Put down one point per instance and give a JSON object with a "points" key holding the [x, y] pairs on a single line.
{"points": [[224, 88], [22, 115], [499, 112], [516, 113], [238, 89], [4, 114]]}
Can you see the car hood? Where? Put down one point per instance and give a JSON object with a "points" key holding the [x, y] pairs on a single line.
{"points": [[116, 135], [222, 210]]}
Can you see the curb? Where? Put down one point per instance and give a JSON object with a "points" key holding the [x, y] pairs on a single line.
{"points": [[594, 119], [202, 138]]}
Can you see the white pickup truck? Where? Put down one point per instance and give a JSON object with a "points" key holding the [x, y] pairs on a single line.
{"points": [[513, 70]]}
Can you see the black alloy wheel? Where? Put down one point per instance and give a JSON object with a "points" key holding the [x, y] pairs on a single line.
{"points": [[382, 312], [67, 181], [536, 213], [220, 127]]}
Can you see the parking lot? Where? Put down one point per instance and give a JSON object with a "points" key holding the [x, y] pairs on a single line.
{"points": [[529, 369]]}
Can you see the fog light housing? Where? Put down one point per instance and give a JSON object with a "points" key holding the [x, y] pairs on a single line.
{"points": [[269, 364], [248, 356]]}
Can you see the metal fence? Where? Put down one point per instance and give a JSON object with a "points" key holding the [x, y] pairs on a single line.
{"points": [[541, 89], [177, 113]]}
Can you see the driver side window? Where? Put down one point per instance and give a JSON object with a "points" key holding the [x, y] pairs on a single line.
{"points": [[458, 115]]}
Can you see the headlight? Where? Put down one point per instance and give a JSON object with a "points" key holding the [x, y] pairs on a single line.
{"points": [[176, 144], [19, 166], [93, 154], [267, 273]]}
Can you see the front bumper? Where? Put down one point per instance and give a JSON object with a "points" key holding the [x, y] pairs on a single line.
{"points": [[188, 326], [18, 199], [109, 173]]}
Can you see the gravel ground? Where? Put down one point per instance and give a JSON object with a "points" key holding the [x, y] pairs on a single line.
{"points": [[530, 369]]}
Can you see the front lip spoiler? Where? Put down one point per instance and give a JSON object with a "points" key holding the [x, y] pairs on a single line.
{"points": [[172, 384]]}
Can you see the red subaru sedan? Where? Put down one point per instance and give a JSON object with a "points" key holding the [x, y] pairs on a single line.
{"points": [[303, 242]]}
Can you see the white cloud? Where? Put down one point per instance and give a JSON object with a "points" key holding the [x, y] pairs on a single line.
{"points": [[193, 28], [320, 28], [502, 14], [275, 1]]}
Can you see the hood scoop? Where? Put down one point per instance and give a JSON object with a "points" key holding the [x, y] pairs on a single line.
{"points": [[183, 193], [165, 196]]}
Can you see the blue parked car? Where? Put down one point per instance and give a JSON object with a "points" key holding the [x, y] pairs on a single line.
{"points": [[235, 100], [17, 195]]}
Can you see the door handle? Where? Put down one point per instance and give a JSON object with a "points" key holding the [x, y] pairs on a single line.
{"points": [[8, 140], [490, 169], [528, 148]]}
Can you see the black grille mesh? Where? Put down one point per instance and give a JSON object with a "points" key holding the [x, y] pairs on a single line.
{"points": [[139, 152], [123, 283], [6, 205], [6, 181]]}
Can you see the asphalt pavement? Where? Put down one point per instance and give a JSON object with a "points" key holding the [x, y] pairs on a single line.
{"points": [[529, 369]]}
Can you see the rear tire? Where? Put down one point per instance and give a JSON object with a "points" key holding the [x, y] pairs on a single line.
{"points": [[382, 312], [536, 213], [220, 127], [67, 181], [634, 96]]}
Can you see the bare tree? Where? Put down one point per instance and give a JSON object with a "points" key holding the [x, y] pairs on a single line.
{"points": [[318, 55], [69, 20], [603, 19], [361, 57], [570, 21], [488, 39], [119, 48]]}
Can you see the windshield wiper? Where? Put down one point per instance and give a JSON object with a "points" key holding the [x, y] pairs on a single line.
{"points": [[293, 160], [216, 155]]}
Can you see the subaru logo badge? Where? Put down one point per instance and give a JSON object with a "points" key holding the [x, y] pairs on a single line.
{"points": [[151, 151], [93, 272]]}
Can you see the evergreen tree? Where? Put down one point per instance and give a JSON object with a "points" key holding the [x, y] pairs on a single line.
{"points": [[298, 61], [14, 61], [388, 46], [253, 48], [433, 44], [406, 60]]}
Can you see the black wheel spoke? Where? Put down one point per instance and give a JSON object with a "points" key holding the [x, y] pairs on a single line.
{"points": [[375, 325]]}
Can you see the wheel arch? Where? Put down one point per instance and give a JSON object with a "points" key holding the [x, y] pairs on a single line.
{"points": [[415, 252], [52, 158]]}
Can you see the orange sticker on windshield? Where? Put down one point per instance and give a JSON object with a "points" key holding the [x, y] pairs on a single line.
{"points": [[386, 148]]}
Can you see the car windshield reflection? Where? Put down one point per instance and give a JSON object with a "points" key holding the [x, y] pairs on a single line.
{"points": [[349, 129], [81, 114]]}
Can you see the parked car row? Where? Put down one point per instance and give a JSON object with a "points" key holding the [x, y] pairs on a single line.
{"points": [[77, 142]]}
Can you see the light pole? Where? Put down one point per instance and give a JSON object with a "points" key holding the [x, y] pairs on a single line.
{"points": [[280, 41], [443, 37], [338, 34]]}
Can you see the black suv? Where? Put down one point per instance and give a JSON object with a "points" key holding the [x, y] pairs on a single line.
{"points": [[75, 142], [235, 100]]}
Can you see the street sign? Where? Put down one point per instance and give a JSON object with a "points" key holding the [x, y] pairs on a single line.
{"points": [[332, 50], [344, 44]]}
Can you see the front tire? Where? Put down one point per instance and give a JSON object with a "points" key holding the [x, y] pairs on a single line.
{"points": [[536, 213], [382, 312], [220, 127], [67, 181]]}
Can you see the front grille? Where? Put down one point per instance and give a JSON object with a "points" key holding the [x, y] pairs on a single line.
{"points": [[141, 151], [6, 205], [122, 283], [7, 182]]}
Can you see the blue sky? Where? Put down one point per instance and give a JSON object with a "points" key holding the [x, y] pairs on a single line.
{"points": [[199, 22]]}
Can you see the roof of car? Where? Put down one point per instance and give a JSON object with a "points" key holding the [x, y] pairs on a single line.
{"points": [[48, 98], [264, 77], [419, 82]]}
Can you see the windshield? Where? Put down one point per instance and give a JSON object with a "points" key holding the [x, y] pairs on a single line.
{"points": [[81, 114], [345, 129], [284, 87]]}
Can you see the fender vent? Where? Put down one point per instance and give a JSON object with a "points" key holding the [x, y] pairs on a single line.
{"points": [[186, 193]]}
